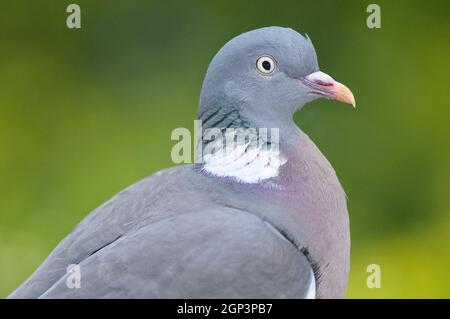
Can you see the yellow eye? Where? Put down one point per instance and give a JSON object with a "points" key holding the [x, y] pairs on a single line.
{"points": [[265, 64]]}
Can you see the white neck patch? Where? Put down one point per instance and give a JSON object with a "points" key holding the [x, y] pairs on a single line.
{"points": [[311, 292], [250, 160]]}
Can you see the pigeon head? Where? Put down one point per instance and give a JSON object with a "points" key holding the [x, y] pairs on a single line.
{"points": [[262, 77]]}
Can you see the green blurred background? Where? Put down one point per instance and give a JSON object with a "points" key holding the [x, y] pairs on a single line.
{"points": [[84, 113]]}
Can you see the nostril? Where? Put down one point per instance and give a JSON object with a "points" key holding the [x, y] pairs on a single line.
{"points": [[322, 83]]}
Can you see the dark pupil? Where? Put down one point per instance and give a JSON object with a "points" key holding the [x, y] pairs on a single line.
{"points": [[266, 65]]}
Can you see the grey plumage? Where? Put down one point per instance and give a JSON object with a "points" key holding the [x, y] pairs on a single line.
{"points": [[183, 233]]}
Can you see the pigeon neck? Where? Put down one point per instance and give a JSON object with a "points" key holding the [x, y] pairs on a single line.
{"points": [[231, 148]]}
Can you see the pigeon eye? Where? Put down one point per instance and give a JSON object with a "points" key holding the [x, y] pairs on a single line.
{"points": [[265, 65]]}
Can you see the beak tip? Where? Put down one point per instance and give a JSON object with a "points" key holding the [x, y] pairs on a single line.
{"points": [[344, 94]]}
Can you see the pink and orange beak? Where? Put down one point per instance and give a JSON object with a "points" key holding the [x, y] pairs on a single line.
{"points": [[323, 84]]}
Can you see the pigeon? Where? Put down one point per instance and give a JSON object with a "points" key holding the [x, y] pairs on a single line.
{"points": [[259, 214]]}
